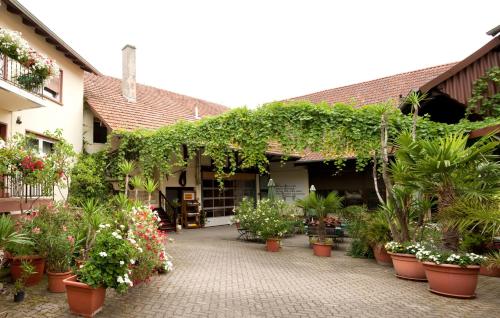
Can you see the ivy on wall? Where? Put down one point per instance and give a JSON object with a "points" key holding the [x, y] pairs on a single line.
{"points": [[483, 102], [243, 135]]}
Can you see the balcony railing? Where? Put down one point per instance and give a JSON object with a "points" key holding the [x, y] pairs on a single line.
{"points": [[12, 186], [23, 77]]}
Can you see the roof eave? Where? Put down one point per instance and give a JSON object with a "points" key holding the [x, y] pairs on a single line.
{"points": [[461, 65], [41, 29]]}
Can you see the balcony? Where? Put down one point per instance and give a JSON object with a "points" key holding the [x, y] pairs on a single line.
{"points": [[20, 89], [15, 195]]}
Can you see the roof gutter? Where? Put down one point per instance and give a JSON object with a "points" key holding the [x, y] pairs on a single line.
{"points": [[41, 29]]}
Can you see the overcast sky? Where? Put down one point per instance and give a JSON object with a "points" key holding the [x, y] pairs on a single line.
{"points": [[251, 52]]}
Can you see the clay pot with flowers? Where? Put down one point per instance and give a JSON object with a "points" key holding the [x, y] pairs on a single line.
{"points": [[270, 223], [29, 226], [451, 273], [107, 266], [319, 207], [404, 260]]}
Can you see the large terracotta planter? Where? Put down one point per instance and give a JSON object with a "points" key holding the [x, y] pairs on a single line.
{"points": [[492, 271], [408, 267], [381, 255], [273, 245], [452, 280], [83, 300], [38, 263], [322, 250], [55, 281]]}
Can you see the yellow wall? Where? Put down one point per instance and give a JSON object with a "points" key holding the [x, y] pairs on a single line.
{"points": [[67, 116]]}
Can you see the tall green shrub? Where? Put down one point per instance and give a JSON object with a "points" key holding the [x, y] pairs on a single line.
{"points": [[88, 179]]}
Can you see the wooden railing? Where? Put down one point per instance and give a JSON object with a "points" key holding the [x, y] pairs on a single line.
{"points": [[167, 211], [12, 185]]}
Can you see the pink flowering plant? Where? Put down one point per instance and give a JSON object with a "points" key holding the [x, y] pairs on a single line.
{"points": [[110, 260], [150, 243]]}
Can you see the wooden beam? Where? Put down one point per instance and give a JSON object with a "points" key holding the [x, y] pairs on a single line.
{"points": [[495, 129], [28, 22]]}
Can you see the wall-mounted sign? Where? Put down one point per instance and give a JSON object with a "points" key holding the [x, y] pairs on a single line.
{"points": [[289, 191], [188, 196]]}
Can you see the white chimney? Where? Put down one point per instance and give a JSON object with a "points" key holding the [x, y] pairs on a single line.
{"points": [[128, 73]]}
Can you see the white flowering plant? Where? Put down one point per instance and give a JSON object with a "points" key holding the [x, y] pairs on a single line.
{"points": [[448, 257], [42, 68], [404, 248], [109, 260], [270, 222]]}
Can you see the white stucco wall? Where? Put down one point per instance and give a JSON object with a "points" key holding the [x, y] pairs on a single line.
{"points": [[292, 182], [67, 116]]}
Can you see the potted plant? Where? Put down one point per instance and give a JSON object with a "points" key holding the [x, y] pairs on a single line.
{"points": [[59, 258], [271, 224], [451, 274], [30, 227], [20, 284], [377, 233], [404, 260], [10, 237], [315, 205], [491, 265], [107, 266]]}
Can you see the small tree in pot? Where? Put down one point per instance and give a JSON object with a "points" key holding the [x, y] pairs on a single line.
{"points": [[317, 206]]}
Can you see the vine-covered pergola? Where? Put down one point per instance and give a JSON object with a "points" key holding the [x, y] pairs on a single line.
{"points": [[243, 135]]}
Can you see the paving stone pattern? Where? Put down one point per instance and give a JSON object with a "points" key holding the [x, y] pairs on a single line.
{"points": [[219, 276]]}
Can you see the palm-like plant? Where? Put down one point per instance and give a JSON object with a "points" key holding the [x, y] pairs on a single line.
{"points": [[126, 168], [8, 234], [150, 186], [414, 99], [318, 206], [449, 168], [136, 182], [92, 217]]}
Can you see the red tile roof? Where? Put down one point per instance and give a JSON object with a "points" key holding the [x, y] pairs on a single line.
{"points": [[153, 108], [371, 92], [378, 90]]}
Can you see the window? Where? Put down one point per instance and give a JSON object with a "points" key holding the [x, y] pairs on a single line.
{"points": [[53, 88], [221, 202], [100, 132], [39, 143]]}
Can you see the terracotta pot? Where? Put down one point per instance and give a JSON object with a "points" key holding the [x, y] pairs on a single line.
{"points": [[381, 255], [273, 245], [36, 260], [493, 271], [408, 267], [237, 224], [452, 280], [83, 300], [55, 281], [323, 250]]}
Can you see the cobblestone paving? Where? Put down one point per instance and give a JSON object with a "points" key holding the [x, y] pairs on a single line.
{"points": [[219, 276]]}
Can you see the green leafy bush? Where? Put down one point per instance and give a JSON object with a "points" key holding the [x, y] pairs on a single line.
{"points": [[109, 260], [88, 179]]}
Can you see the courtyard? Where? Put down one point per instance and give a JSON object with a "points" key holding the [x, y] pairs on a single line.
{"points": [[217, 275]]}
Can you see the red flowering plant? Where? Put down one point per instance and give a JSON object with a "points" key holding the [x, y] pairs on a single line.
{"points": [[150, 242]]}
